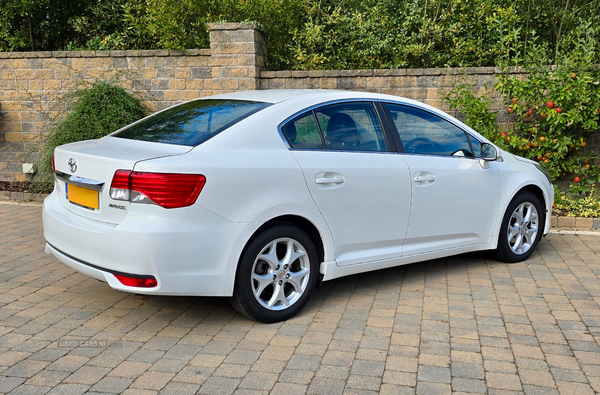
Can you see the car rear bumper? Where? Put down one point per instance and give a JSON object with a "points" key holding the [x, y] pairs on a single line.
{"points": [[190, 251]]}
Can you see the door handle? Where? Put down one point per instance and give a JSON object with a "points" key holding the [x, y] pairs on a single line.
{"points": [[329, 180], [424, 178]]}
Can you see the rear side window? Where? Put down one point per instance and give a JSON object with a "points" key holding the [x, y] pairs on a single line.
{"points": [[303, 132], [352, 126], [192, 123]]}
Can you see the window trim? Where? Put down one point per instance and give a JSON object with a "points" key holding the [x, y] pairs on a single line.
{"points": [[387, 135], [392, 126]]}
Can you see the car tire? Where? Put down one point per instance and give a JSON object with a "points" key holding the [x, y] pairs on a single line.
{"points": [[277, 274], [521, 229]]}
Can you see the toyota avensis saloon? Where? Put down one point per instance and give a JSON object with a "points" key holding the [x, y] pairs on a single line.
{"points": [[260, 195]]}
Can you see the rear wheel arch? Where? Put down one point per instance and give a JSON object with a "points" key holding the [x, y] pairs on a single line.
{"points": [[257, 295], [304, 224]]}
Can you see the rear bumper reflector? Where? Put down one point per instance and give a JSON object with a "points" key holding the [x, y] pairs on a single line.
{"points": [[128, 279]]}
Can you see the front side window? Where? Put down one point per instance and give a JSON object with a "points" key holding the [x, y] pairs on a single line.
{"points": [[476, 145], [191, 123], [424, 133]]}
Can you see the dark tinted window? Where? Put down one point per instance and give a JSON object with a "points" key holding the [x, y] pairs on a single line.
{"points": [[351, 127], [303, 133], [424, 133], [191, 123]]}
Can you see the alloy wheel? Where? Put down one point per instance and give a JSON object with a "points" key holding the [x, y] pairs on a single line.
{"points": [[280, 274], [523, 228]]}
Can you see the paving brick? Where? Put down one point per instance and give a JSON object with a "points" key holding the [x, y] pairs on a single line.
{"points": [[259, 381], [153, 380], [26, 368], [289, 389], [322, 386], [537, 378], [48, 378], [296, 376], [194, 374], [434, 374], [112, 384], [69, 389], [503, 381], [88, 375], [130, 369], [570, 388], [30, 390], [280, 353], [232, 370], [467, 385], [368, 368], [146, 355], [333, 372], [467, 370], [404, 364], [304, 362], [219, 386], [392, 389], [424, 388], [9, 383], [360, 382], [180, 389]]}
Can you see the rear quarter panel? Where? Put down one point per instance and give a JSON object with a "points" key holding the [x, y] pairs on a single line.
{"points": [[251, 177]]}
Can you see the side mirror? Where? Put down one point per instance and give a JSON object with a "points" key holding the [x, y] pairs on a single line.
{"points": [[489, 153]]}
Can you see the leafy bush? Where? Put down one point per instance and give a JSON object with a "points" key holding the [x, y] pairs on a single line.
{"points": [[552, 110], [587, 205], [310, 34], [93, 112]]}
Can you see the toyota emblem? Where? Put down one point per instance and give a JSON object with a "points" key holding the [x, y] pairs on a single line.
{"points": [[72, 165]]}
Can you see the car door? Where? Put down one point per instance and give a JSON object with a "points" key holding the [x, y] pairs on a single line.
{"points": [[454, 198], [358, 181]]}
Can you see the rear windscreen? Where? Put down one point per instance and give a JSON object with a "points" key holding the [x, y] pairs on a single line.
{"points": [[191, 123]]}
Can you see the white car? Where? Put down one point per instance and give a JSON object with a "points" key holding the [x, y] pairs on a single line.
{"points": [[260, 195]]}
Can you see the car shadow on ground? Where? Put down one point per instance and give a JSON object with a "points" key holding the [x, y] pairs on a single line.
{"points": [[411, 276]]}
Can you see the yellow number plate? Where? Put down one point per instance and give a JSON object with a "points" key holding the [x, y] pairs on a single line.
{"points": [[85, 197]]}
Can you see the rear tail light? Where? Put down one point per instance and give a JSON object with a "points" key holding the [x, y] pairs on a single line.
{"points": [[53, 165], [168, 190], [141, 282]]}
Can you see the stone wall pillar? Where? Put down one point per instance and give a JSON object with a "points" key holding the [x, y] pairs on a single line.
{"points": [[237, 56]]}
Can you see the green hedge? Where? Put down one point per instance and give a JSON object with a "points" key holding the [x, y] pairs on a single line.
{"points": [[310, 34]]}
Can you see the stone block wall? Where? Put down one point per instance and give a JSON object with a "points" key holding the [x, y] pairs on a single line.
{"points": [[425, 85], [33, 83]]}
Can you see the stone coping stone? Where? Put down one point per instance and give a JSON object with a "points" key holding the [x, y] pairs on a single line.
{"points": [[265, 74], [107, 53], [233, 26]]}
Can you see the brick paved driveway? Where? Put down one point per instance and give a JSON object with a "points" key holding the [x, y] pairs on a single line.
{"points": [[462, 324]]}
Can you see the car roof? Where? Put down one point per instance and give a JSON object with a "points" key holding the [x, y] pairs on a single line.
{"points": [[276, 96], [280, 95]]}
